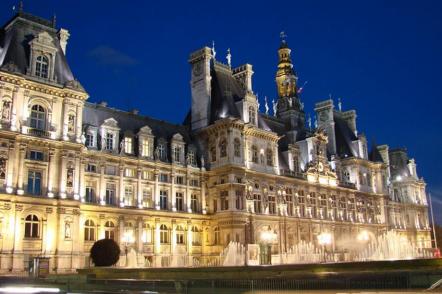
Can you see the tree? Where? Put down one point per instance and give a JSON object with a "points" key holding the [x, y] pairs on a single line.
{"points": [[105, 252]]}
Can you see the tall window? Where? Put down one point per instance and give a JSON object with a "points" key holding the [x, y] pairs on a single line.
{"points": [[41, 67], [89, 230], [239, 199], [252, 118], [224, 199], [179, 201], [216, 236], [89, 140], [196, 236], [145, 147], [109, 141], [257, 203], [38, 117], [32, 225], [237, 147], [289, 200], [162, 151], [272, 205], [90, 194], [128, 195], [163, 200], [194, 202], [223, 148], [254, 154], [147, 197], [295, 163], [109, 230], [269, 157], [177, 154], [191, 157], [34, 182], [110, 194], [128, 145], [164, 234], [180, 235], [213, 153]]}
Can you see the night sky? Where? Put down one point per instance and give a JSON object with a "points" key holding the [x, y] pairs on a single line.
{"points": [[382, 59]]}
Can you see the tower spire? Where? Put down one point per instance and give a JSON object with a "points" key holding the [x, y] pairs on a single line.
{"points": [[286, 78]]}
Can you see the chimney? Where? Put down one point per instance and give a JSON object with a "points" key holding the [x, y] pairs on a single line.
{"points": [[244, 74], [63, 36]]}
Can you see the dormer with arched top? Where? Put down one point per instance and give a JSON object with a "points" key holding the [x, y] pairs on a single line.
{"points": [[42, 57], [109, 132], [177, 145], [145, 142]]}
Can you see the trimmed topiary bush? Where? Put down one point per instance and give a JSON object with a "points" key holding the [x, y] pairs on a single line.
{"points": [[105, 252]]}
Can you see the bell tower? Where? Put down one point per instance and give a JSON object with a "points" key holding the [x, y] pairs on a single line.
{"points": [[289, 107]]}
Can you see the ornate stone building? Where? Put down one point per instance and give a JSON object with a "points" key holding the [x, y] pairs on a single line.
{"points": [[73, 172]]}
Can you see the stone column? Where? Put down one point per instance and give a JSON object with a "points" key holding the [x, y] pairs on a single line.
{"points": [[64, 120], [102, 184], [51, 169], [79, 117], [121, 187], [62, 173], [139, 188], [188, 194], [156, 192], [172, 191], [11, 164], [81, 181], [139, 235], [14, 110], [77, 176], [21, 165]]}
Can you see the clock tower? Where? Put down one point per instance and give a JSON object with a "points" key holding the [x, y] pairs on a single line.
{"points": [[289, 108]]}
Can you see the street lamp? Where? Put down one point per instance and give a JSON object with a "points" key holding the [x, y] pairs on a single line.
{"points": [[324, 239], [268, 237]]}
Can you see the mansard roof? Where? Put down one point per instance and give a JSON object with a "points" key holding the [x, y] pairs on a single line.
{"points": [[15, 36], [344, 137], [226, 90], [399, 162], [96, 114]]}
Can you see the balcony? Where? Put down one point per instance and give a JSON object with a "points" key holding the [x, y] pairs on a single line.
{"points": [[347, 185], [39, 133], [289, 173]]}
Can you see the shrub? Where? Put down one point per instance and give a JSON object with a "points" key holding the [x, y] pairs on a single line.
{"points": [[105, 252]]}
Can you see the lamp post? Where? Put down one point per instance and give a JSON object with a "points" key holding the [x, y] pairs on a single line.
{"points": [[324, 239], [268, 237]]}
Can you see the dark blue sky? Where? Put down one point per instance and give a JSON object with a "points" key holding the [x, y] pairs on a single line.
{"points": [[383, 59]]}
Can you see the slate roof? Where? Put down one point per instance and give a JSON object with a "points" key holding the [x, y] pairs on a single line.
{"points": [[15, 36], [398, 162], [344, 137]]}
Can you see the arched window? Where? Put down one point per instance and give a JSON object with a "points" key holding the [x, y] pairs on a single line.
{"points": [[269, 157], [89, 230], [196, 236], [252, 117], [216, 236], [164, 234], [180, 235], [109, 230], [223, 147], [254, 154], [41, 67], [38, 117], [32, 225], [237, 147], [146, 236]]}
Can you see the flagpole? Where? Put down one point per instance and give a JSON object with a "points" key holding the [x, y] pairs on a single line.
{"points": [[432, 220]]}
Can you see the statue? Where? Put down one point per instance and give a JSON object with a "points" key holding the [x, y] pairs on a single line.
{"points": [[6, 111], [266, 105], [157, 153], [309, 122], [229, 58], [83, 138], [339, 104], [290, 102], [213, 50], [274, 107], [67, 230], [202, 162], [316, 122]]}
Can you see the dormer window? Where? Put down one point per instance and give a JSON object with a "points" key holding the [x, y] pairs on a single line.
{"points": [[161, 151], [254, 154], [128, 145], [42, 67], [89, 140], [177, 154], [109, 141], [145, 148], [38, 117], [191, 158]]}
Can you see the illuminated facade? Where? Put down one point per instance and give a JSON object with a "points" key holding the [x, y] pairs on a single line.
{"points": [[72, 172]]}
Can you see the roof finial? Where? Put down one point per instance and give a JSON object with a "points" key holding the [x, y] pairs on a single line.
{"points": [[309, 122], [266, 105], [229, 58], [54, 21], [213, 50], [339, 104], [283, 37], [20, 7]]}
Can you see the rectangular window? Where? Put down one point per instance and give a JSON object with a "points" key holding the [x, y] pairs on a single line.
{"points": [[110, 194], [239, 200], [147, 197], [128, 145], [179, 201], [194, 203], [272, 205], [109, 141], [257, 203], [89, 140], [164, 178], [146, 175], [129, 172], [129, 195], [215, 205], [145, 148], [163, 200], [90, 194], [111, 170], [179, 180], [194, 182], [92, 168], [36, 155], [177, 154], [34, 182], [224, 198]]}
